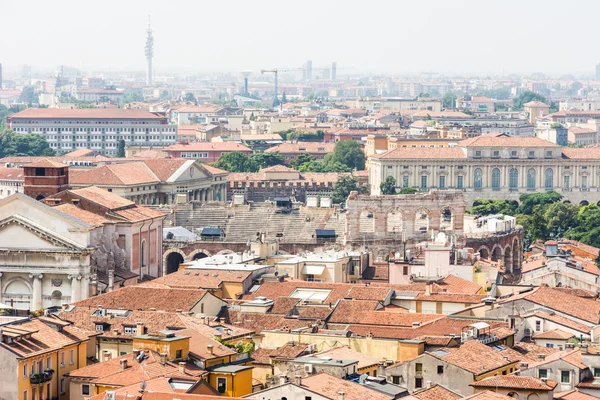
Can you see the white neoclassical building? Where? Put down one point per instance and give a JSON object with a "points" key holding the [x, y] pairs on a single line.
{"points": [[44, 255], [493, 166]]}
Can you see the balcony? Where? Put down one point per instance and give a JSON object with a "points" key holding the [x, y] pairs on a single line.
{"points": [[38, 379]]}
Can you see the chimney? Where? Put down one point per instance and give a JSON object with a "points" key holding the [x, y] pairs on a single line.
{"points": [[163, 358], [541, 356], [139, 328], [182, 367], [282, 379], [381, 369], [111, 280], [341, 395], [217, 337], [428, 288], [298, 380], [75, 201], [206, 321], [123, 364], [209, 348], [135, 353], [221, 320]]}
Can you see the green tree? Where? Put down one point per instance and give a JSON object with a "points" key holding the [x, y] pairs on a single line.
{"points": [[284, 98], [29, 144], [252, 117], [349, 153], [28, 95], [236, 162], [487, 207], [132, 97], [529, 201], [344, 185], [121, 148], [388, 186], [408, 190], [559, 218], [449, 100], [263, 160], [302, 159], [526, 97], [190, 97], [276, 102], [588, 226]]}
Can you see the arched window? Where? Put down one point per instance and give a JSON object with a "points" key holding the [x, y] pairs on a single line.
{"points": [[495, 179], [513, 181], [143, 254], [477, 178], [549, 179], [531, 179]]}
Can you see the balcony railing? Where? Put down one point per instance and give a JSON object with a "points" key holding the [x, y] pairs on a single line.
{"points": [[38, 379]]}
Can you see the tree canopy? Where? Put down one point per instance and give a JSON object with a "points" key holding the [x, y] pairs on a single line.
{"points": [[121, 148], [264, 160], [29, 144], [236, 162], [349, 153], [449, 100], [344, 185], [526, 97], [388, 186]]}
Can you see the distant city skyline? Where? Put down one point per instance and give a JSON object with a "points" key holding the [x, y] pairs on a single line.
{"points": [[398, 38]]}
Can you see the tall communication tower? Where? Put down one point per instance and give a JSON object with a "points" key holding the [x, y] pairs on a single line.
{"points": [[149, 53]]}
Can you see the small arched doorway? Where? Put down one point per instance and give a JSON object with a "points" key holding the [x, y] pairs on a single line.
{"points": [[173, 261], [199, 255], [497, 254], [508, 258], [56, 298], [484, 254], [584, 203]]}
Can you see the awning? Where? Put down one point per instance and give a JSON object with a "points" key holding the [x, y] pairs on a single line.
{"points": [[212, 232], [325, 233], [312, 270]]}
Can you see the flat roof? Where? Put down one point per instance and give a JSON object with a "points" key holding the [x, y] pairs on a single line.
{"points": [[323, 361]]}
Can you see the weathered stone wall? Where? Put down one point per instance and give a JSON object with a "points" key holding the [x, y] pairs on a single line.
{"points": [[263, 191]]}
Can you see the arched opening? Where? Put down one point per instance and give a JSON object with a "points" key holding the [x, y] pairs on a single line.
{"points": [[367, 221], [173, 261], [496, 179], [508, 257], [56, 298], [199, 255], [477, 178], [516, 257], [446, 219], [17, 294], [394, 221], [533, 396], [39, 197], [421, 221], [515, 203], [497, 254], [531, 179], [513, 179], [598, 203], [484, 254], [584, 203], [549, 179], [567, 202], [513, 395]]}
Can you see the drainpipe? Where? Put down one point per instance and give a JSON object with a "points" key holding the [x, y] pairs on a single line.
{"points": [[149, 241], [140, 246]]}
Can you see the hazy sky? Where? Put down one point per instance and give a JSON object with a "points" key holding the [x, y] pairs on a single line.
{"points": [[449, 36]]}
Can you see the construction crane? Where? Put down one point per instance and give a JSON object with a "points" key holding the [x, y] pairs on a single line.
{"points": [[276, 72]]}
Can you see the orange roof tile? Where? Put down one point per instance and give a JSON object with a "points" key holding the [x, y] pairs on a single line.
{"points": [[436, 392], [12, 174], [573, 395], [329, 386], [554, 334], [208, 146], [515, 382], [584, 309], [402, 153], [46, 163], [103, 197], [475, 357]]}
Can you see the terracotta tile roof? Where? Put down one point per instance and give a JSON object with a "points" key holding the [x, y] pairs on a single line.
{"points": [[368, 293], [199, 343], [12, 174], [586, 153], [145, 298], [554, 334], [193, 278], [314, 312], [44, 338], [516, 382], [283, 305], [83, 215], [261, 322], [488, 395], [502, 140], [364, 312], [530, 351], [133, 173], [102, 197], [214, 170], [81, 153], [85, 113], [451, 297], [454, 284], [572, 356], [208, 146], [475, 357], [573, 395], [564, 321], [139, 213], [46, 163], [202, 108], [346, 353], [303, 147], [436, 392], [584, 309], [535, 103], [329, 386], [288, 351], [403, 153]]}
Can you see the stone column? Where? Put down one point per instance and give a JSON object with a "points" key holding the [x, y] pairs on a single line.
{"points": [[75, 288], [85, 287], [36, 301]]}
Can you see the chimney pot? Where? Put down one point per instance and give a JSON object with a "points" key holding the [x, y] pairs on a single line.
{"points": [[298, 380], [123, 364], [182, 367], [282, 380], [341, 395], [209, 348], [163, 358]]}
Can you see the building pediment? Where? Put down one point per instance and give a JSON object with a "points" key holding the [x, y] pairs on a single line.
{"points": [[190, 171], [18, 232]]}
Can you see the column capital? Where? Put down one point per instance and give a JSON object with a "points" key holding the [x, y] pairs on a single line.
{"points": [[36, 276]]}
